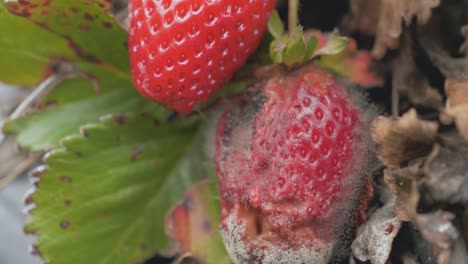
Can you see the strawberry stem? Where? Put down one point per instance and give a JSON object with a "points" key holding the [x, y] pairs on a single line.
{"points": [[293, 17]]}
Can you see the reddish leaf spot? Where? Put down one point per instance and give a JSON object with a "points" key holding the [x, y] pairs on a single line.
{"points": [[46, 2], [85, 133], [64, 224], [105, 214], [120, 119], [67, 202], [136, 152], [84, 27], [42, 24], [29, 200], [35, 251], [81, 53], [65, 179], [63, 14], [107, 24], [37, 173], [143, 247], [48, 103], [74, 9], [88, 17], [156, 122]]}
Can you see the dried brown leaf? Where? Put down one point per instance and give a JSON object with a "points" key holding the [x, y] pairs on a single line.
{"points": [[404, 183], [384, 19], [375, 238], [403, 139], [446, 174], [457, 104], [450, 67], [407, 78]]}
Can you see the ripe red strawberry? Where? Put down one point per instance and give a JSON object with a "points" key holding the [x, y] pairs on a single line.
{"points": [[291, 160], [181, 52]]}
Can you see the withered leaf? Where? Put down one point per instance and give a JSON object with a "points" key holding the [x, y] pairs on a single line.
{"points": [[193, 225], [384, 19], [375, 238], [449, 66], [457, 103], [409, 79], [446, 171], [403, 139], [404, 183]]}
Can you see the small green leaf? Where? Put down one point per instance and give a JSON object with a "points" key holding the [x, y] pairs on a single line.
{"points": [[277, 51], [295, 50], [275, 25], [335, 45], [311, 46], [194, 224], [104, 194], [76, 102]]}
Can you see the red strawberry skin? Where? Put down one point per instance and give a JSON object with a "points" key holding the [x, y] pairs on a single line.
{"points": [[182, 51], [291, 159]]}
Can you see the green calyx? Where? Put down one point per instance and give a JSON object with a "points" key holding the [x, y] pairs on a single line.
{"points": [[296, 48]]}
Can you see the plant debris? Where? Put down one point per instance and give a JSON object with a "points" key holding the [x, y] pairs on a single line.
{"points": [[375, 238], [382, 18], [403, 139]]}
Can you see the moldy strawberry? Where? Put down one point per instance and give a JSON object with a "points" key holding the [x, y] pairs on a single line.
{"points": [[292, 158]]}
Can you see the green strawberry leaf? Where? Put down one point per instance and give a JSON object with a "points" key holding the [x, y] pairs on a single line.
{"points": [[27, 51], [276, 51], [97, 47], [311, 46], [296, 48], [194, 225], [104, 194], [76, 102], [334, 45], [92, 33], [275, 25]]}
